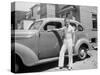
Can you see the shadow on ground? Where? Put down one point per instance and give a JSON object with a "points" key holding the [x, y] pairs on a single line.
{"points": [[50, 65]]}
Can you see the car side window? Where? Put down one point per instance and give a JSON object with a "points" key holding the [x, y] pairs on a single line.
{"points": [[52, 25], [73, 24], [80, 28]]}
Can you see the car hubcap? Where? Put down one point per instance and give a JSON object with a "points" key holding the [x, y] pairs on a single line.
{"points": [[82, 53]]}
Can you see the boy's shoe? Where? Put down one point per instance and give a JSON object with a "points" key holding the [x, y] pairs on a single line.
{"points": [[60, 67], [69, 68]]}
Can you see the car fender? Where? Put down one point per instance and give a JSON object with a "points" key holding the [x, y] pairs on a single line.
{"points": [[27, 55], [80, 42]]}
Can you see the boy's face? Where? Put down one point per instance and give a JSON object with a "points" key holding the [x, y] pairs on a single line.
{"points": [[67, 21]]}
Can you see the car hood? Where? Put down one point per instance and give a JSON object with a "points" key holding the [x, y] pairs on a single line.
{"points": [[23, 33]]}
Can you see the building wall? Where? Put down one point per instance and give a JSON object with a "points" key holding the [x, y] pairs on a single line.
{"points": [[62, 11], [35, 11], [76, 13], [50, 10], [43, 10], [86, 19], [86, 16]]}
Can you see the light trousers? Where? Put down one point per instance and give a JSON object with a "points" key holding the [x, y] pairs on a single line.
{"points": [[67, 45]]}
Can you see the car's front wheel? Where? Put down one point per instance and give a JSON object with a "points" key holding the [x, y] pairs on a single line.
{"points": [[82, 53]]}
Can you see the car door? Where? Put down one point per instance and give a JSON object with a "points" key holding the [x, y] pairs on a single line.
{"points": [[49, 42]]}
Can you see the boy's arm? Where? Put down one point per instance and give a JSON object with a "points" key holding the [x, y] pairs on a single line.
{"points": [[73, 37]]}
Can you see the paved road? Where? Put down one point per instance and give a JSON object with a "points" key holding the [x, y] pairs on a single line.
{"points": [[89, 63]]}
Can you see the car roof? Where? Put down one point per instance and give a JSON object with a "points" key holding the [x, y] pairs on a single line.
{"points": [[57, 19]]}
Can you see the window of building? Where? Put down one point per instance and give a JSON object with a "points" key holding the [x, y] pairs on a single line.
{"points": [[93, 40], [94, 21]]}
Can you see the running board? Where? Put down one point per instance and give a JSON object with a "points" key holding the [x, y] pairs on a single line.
{"points": [[48, 60]]}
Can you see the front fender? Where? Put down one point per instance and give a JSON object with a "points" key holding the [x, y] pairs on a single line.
{"points": [[28, 57], [80, 42]]}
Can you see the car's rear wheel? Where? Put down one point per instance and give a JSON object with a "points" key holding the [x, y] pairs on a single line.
{"points": [[19, 66], [82, 53], [16, 67]]}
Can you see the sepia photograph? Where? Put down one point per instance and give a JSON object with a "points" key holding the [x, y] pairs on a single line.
{"points": [[49, 37]]}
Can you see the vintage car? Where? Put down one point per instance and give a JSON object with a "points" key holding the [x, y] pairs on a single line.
{"points": [[42, 43]]}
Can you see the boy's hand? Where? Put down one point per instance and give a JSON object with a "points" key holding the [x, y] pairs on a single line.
{"points": [[56, 29]]}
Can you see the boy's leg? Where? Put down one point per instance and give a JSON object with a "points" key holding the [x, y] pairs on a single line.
{"points": [[61, 56], [70, 53]]}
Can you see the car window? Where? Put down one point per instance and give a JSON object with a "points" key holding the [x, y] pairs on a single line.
{"points": [[80, 28], [52, 25], [73, 24], [36, 25]]}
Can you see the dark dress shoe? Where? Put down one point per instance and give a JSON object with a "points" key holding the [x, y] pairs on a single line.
{"points": [[60, 67], [69, 67]]}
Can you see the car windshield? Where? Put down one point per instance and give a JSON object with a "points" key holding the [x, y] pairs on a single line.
{"points": [[36, 25]]}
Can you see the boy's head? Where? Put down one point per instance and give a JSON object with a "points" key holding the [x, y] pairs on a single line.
{"points": [[67, 19]]}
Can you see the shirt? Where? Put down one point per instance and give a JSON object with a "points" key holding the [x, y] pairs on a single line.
{"points": [[68, 32]]}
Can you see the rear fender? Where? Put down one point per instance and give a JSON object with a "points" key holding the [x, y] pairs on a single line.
{"points": [[27, 55]]}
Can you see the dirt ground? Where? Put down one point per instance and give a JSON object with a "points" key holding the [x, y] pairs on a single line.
{"points": [[88, 63]]}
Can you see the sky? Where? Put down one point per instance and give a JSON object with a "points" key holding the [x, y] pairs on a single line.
{"points": [[22, 6]]}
